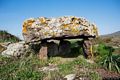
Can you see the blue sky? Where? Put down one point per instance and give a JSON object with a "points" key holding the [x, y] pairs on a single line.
{"points": [[104, 13]]}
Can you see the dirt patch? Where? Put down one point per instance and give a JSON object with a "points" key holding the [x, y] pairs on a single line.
{"points": [[108, 75]]}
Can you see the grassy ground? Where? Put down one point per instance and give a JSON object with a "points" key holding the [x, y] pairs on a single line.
{"points": [[28, 68]]}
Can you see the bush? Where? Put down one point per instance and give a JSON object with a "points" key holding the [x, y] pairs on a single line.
{"points": [[107, 59], [7, 37]]}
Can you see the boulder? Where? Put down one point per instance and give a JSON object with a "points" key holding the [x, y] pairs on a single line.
{"points": [[36, 29], [16, 49]]}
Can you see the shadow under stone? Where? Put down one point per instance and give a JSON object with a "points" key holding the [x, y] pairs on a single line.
{"points": [[63, 49]]}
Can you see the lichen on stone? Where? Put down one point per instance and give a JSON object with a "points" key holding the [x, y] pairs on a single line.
{"points": [[43, 28]]}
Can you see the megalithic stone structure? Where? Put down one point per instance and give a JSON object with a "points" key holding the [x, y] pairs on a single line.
{"points": [[42, 29]]}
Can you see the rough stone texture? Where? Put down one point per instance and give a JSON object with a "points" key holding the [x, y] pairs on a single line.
{"points": [[15, 49], [64, 48], [43, 51], [70, 77], [35, 29], [87, 45], [49, 68]]}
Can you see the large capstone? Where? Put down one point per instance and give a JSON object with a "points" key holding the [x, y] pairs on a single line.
{"points": [[37, 32], [36, 29]]}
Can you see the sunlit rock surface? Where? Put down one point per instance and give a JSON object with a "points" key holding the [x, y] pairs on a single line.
{"points": [[35, 29], [16, 49]]}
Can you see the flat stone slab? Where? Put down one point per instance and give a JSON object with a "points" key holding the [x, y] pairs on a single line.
{"points": [[36, 29]]}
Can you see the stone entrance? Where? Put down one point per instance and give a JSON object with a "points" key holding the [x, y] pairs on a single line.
{"points": [[63, 48], [66, 27]]}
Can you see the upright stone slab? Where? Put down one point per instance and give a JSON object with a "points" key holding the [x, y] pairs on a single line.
{"points": [[43, 51], [64, 48], [87, 45], [52, 49]]}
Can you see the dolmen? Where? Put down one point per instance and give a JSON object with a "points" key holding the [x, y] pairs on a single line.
{"points": [[50, 34]]}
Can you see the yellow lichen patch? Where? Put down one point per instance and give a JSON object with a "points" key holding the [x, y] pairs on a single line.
{"points": [[91, 50], [65, 27], [42, 20], [26, 24], [95, 30], [43, 27], [30, 22], [24, 30]]}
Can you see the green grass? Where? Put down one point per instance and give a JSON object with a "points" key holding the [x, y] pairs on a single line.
{"points": [[28, 68], [25, 68], [77, 64]]}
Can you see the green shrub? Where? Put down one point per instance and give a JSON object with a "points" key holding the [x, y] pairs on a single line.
{"points": [[7, 37], [101, 50], [107, 59]]}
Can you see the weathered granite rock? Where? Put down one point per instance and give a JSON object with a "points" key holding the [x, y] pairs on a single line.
{"points": [[36, 29], [87, 48], [43, 51], [16, 49]]}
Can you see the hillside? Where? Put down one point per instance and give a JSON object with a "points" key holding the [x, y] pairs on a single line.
{"points": [[117, 34], [7, 37], [112, 39]]}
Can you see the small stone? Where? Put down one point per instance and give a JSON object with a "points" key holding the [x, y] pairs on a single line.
{"points": [[90, 61], [49, 68], [70, 77]]}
